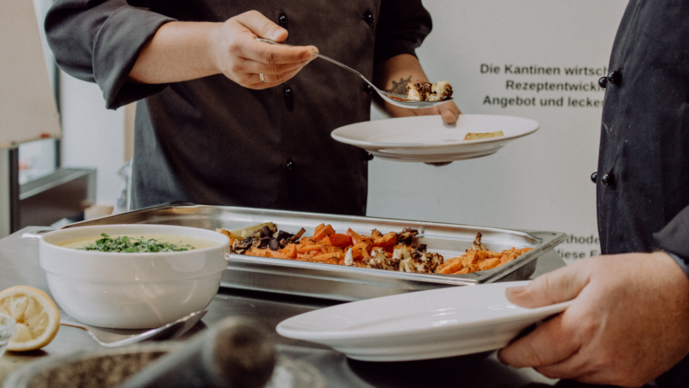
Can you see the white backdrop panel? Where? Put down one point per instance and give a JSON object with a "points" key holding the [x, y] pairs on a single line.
{"points": [[538, 182]]}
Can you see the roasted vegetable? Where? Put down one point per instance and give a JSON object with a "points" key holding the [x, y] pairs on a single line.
{"points": [[391, 251]]}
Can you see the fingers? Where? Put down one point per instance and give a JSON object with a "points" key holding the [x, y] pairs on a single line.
{"points": [[449, 112], [554, 287], [262, 26], [235, 52], [270, 80], [573, 367], [396, 111], [253, 67], [252, 24], [544, 346], [272, 54]]}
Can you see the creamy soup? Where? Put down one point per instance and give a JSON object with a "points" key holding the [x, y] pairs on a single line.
{"points": [[138, 243]]}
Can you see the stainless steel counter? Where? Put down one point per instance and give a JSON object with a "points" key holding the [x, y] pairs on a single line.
{"points": [[19, 266]]}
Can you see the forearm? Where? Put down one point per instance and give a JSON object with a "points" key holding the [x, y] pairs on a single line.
{"points": [[393, 74], [178, 52], [100, 41], [185, 51]]}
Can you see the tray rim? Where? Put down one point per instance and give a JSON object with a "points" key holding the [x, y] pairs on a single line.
{"points": [[546, 241]]}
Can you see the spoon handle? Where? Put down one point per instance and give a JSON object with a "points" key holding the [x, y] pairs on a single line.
{"points": [[403, 96]]}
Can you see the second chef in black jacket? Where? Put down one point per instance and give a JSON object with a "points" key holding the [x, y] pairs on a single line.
{"points": [[629, 322]]}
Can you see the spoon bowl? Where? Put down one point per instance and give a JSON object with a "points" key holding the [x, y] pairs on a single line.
{"points": [[120, 337]]}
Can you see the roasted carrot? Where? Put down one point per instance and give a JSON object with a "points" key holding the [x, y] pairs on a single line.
{"points": [[325, 256], [308, 248], [290, 251], [360, 251], [337, 240], [365, 240], [488, 264], [323, 233], [450, 266], [470, 257], [375, 233], [388, 240], [330, 248], [306, 241], [265, 253], [356, 237]]}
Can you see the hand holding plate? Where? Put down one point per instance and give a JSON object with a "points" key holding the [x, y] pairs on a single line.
{"points": [[628, 324]]}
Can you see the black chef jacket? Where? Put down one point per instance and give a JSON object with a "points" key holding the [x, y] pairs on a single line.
{"points": [[643, 167], [213, 141]]}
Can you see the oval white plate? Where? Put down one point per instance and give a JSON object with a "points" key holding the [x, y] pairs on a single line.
{"points": [[420, 325], [427, 139]]}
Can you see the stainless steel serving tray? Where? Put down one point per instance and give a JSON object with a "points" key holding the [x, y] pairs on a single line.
{"points": [[340, 282]]}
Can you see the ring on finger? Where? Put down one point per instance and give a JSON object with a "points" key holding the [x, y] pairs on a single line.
{"points": [[262, 77]]}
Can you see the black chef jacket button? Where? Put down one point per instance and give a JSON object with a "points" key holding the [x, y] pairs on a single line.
{"points": [[282, 19], [289, 165], [369, 156], [614, 77], [368, 17], [368, 89], [594, 177], [288, 92], [607, 179], [602, 82]]}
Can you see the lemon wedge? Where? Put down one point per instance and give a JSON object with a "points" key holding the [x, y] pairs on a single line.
{"points": [[38, 319]]}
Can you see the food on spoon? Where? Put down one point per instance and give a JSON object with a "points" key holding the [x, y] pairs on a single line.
{"points": [[37, 317], [425, 91], [391, 251], [482, 135]]}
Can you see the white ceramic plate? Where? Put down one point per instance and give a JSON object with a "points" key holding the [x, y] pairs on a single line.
{"points": [[420, 325], [427, 139]]}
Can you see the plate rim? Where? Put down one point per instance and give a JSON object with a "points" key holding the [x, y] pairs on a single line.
{"points": [[340, 336], [384, 145]]}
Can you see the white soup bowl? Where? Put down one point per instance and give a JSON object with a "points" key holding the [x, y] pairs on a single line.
{"points": [[132, 290]]}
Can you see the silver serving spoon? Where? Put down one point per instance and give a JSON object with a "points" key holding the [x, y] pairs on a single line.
{"points": [[121, 337], [400, 100]]}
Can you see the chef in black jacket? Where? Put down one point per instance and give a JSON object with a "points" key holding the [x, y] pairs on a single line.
{"points": [[225, 119], [629, 322]]}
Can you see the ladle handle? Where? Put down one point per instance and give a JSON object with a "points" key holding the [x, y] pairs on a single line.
{"points": [[233, 353]]}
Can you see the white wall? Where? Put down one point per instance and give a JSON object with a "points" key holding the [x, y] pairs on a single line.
{"points": [[537, 182], [92, 135]]}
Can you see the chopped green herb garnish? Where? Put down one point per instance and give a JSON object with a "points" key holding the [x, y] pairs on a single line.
{"points": [[133, 245]]}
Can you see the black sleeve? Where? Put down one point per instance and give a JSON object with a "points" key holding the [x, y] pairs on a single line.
{"points": [[99, 41], [674, 237], [402, 27]]}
